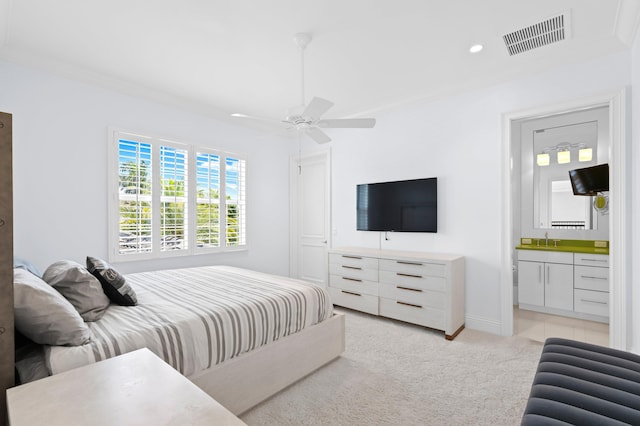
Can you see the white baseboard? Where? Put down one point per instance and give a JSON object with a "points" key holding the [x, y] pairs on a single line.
{"points": [[487, 325]]}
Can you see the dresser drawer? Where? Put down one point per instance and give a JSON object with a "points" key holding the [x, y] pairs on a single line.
{"points": [[354, 300], [586, 259], [354, 285], [591, 278], [353, 272], [353, 260], [416, 314], [434, 299], [591, 302], [422, 282], [413, 268]]}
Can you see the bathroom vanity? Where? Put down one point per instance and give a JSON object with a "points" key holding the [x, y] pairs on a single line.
{"points": [[564, 277]]}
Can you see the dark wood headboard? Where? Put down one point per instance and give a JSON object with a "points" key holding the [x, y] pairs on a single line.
{"points": [[7, 349]]}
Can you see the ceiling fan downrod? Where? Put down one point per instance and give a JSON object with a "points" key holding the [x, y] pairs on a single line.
{"points": [[302, 40]]}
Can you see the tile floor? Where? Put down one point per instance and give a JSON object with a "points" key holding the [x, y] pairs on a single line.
{"points": [[538, 326]]}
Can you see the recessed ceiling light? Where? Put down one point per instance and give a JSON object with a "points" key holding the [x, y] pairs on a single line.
{"points": [[476, 48]]}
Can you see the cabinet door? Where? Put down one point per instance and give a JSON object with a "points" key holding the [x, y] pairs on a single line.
{"points": [[531, 283], [558, 292]]}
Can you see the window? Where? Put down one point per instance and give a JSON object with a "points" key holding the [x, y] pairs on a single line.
{"points": [[170, 199]]}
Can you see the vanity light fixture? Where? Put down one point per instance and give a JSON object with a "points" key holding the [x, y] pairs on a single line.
{"points": [[564, 156], [543, 159], [585, 154], [563, 153]]}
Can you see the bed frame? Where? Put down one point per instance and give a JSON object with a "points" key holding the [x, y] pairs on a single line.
{"points": [[243, 382]]}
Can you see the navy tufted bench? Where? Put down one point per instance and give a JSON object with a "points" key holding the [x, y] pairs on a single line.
{"points": [[583, 384]]}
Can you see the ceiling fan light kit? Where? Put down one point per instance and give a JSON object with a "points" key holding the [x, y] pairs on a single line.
{"points": [[307, 119]]}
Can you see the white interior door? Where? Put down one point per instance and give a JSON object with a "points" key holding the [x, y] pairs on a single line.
{"points": [[310, 217]]}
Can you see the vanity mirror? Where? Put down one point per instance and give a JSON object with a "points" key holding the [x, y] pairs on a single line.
{"points": [[550, 148], [558, 150]]}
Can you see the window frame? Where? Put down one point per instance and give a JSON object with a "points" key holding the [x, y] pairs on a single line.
{"points": [[115, 135]]}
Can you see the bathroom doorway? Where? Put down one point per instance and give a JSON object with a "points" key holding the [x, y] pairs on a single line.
{"points": [[548, 148], [619, 291]]}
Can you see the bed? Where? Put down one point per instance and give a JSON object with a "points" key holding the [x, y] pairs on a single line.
{"points": [[240, 335]]}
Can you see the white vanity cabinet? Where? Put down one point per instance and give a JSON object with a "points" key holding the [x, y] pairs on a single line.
{"points": [[545, 279], [564, 283], [591, 284], [420, 288]]}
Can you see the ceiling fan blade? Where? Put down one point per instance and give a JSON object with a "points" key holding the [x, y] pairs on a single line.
{"points": [[317, 107], [255, 117], [318, 135], [361, 123]]}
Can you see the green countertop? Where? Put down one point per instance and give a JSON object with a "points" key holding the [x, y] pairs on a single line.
{"points": [[570, 246]]}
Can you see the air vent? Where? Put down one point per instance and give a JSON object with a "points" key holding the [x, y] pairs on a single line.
{"points": [[541, 34]]}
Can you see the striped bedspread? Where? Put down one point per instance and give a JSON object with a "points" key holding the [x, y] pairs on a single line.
{"points": [[195, 318]]}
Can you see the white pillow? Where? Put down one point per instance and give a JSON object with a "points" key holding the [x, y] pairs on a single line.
{"points": [[44, 315]]}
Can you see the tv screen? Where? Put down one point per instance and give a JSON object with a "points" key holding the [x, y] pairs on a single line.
{"points": [[590, 180], [400, 206]]}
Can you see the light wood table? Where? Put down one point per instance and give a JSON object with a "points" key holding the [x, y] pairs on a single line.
{"points": [[136, 388]]}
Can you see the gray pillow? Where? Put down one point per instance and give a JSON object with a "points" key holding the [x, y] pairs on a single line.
{"points": [[44, 315], [79, 287]]}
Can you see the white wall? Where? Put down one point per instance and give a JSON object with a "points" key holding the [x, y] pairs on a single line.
{"points": [[60, 176], [60, 170], [457, 139]]}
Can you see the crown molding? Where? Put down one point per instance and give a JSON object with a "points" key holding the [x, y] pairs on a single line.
{"points": [[80, 74]]}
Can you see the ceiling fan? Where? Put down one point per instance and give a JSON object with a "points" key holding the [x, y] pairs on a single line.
{"points": [[307, 119]]}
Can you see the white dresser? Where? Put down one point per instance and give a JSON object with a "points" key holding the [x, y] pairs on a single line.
{"points": [[420, 288]]}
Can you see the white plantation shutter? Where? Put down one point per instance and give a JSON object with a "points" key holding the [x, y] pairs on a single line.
{"points": [[134, 195], [208, 200], [235, 182], [174, 208], [170, 199]]}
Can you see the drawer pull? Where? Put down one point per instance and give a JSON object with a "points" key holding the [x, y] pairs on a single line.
{"points": [[593, 278], [352, 267], [409, 288], [594, 260], [352, 279], [408, 304], [351, 257], [593, 301], [402, 262], [351, 293], [400, 274]]}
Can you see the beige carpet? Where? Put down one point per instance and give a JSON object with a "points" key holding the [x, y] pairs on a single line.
{"points": [[393, 373]]}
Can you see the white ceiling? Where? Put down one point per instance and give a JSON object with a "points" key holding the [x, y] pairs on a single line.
{"points": [[225, 56]]}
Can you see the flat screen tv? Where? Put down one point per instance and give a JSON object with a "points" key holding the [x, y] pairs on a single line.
{"points": [[399, 206], [590, 180]]}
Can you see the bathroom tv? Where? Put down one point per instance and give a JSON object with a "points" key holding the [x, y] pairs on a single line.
{"points": [[590, 180], [398, 206]]}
